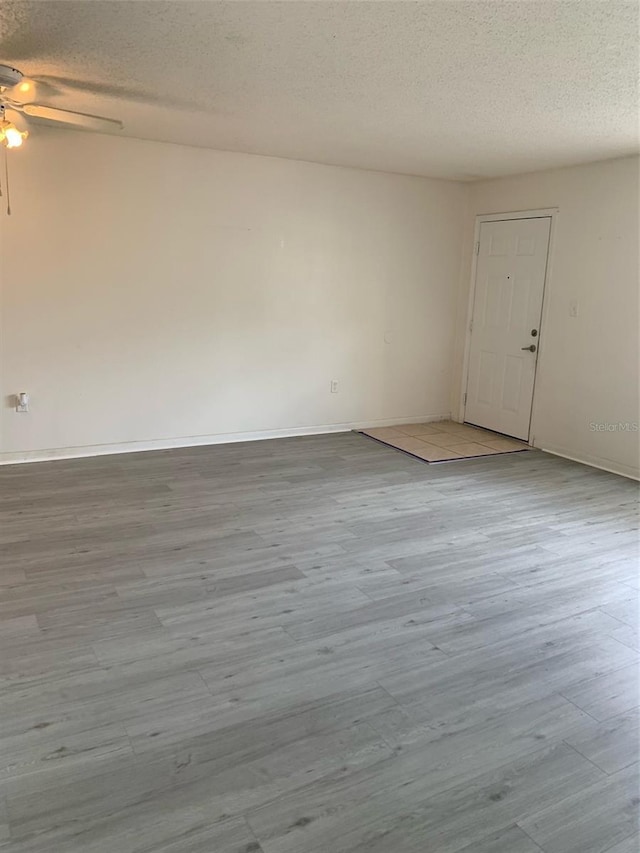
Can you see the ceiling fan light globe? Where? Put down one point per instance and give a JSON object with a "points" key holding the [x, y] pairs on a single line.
{"points": [[14, 138], [10, 136]]}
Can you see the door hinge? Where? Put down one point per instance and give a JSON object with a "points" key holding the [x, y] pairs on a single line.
{"points": [[477, 247], [464, 400], [471, 326]]}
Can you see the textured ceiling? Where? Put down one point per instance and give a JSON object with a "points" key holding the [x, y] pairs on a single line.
{"points": [[447, 89]]}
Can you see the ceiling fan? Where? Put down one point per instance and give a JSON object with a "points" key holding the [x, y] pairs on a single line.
{"points": [[17, 92]]}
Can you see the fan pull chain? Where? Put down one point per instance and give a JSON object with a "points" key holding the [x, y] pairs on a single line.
{"points": [[6, 181]]}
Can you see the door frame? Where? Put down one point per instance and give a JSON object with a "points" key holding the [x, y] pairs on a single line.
{"points": [[540, 213]]}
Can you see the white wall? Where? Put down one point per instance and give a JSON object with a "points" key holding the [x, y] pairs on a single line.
{"points": [[588, 368], [158, 293]]}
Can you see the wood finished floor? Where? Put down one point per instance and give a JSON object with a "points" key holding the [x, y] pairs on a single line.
{"points": [[318, 645]]}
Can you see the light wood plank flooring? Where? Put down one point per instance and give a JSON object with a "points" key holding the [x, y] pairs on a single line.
{"points": [[318, 645]]}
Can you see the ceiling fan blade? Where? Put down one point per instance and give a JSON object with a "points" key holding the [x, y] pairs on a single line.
{"points": [[70, 85], [85, 120]]}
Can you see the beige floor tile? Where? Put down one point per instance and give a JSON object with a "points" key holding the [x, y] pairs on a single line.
{"points": [[471, 448], [419, 429], [431, 453], [445, 439], [408, 442], [504, 445], [470, 432], [451, 425], [383, 433]]}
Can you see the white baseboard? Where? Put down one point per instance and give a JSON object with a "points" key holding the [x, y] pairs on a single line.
{"points": [[594, 461], [49, 455]]}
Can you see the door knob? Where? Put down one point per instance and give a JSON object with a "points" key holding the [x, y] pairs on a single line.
{"points": [[530, 348]]}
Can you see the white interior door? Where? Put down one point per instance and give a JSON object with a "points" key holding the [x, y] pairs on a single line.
{"points": [[505, 330]]}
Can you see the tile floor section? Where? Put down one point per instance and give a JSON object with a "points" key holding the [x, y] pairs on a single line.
{"points": [[441, 441]]}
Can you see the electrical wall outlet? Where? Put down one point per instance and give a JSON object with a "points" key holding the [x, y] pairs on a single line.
{"points": [[22, 402], [334, 386]]}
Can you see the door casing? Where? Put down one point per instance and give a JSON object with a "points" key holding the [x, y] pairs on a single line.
{"points": [[552, 213]]}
